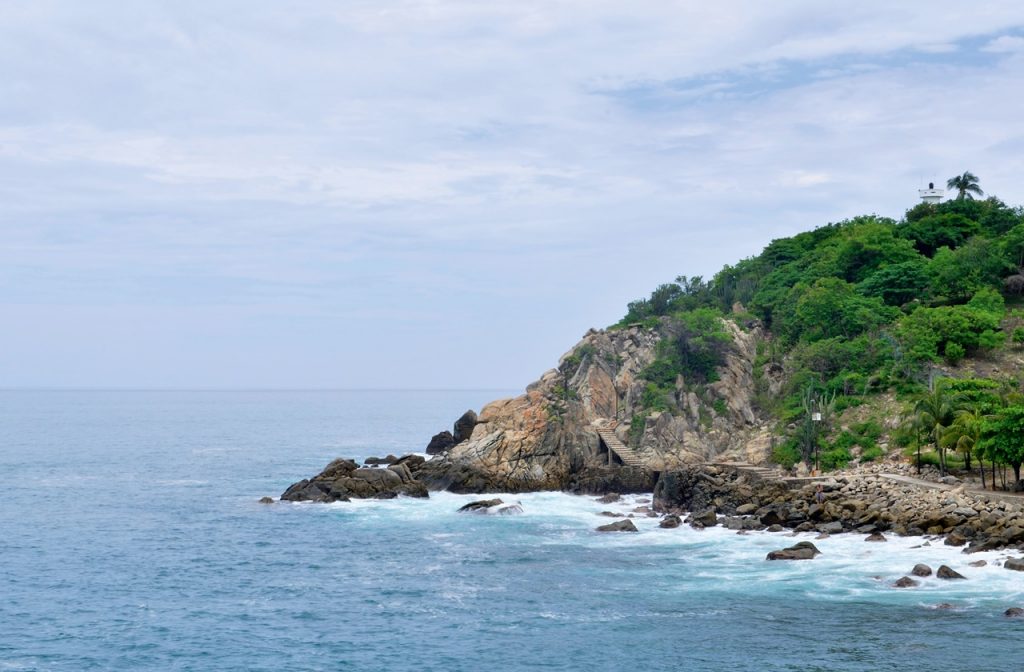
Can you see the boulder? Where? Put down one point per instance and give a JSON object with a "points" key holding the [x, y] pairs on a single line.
{"points": [[610, 498], [480, 506], [706, 518], [342, 480], [955, 539], [413, 462], [803, 550], [945, 572], [266, 500], [905, 582], [440, 443], [921, 570], [877, 536], [464, 427], [618, 526], [978, 563], [1014, 612], [670, 521], [1016, 564], [835, 527], [745, 509]]}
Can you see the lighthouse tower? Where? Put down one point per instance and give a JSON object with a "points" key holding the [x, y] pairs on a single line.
{"points": [[931, 194]]}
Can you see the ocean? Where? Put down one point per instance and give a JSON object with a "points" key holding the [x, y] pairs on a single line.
{"points": [[131, 539]]}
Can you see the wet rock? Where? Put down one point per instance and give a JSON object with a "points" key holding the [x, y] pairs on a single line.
{"points": [[510, 510], [609, 514], [921, 570], [803, 550], [440, 443], [946, 572], [266, 500], [610, 498], [706, 519], [670, 521], [877, 536], [978, 563], [776, 528], [955, 539], [745, 509], [1016, 564], [835, 527], [1014, 612], [619, 526], [905, 582], [464, 426], [480, 506]]}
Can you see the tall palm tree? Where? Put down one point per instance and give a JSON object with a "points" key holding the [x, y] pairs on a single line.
{"points": [[966, 185]]}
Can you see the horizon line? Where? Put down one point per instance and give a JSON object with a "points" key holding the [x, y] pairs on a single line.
{"points": [[249, 389]]}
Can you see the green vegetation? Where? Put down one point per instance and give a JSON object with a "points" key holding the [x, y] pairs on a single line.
{"points": [[857, 308]]}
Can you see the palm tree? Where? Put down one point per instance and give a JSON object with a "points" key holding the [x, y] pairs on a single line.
{"points": [[935, 411], [962, 436], [965, 185]]}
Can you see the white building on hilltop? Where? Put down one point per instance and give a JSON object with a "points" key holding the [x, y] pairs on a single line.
{"points": [[931, 194]]}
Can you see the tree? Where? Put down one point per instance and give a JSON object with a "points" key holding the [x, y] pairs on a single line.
{"points": [[935, 410], [965, 185], [1002, 437], [963, 435]]}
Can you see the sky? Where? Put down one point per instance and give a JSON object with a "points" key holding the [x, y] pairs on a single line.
{"points": [[446, 194]]}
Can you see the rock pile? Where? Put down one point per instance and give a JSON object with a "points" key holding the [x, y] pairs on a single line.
{"points": [[342, 480], [866, 503]]}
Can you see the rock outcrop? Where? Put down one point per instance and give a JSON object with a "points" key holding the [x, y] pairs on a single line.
{"points": [[803, 550], [343, 480], [547, 438]]}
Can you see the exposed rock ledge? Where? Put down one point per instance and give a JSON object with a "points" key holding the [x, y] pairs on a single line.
{"points": [[547, 438]]}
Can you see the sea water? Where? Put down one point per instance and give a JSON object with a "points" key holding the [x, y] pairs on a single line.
{"points": [[131, 539]]}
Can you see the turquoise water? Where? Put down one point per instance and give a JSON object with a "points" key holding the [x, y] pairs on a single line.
{"points": [[132, 540]]}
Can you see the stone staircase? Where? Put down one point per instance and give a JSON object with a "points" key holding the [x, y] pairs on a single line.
{"points": [[764, 473], [614, 445]]}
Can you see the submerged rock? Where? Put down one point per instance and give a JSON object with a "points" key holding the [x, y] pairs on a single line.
{"points": [[803, 550], [921, 570], [877, 536], [1014, 612], [905, 582], [619, 526], [480, 506], [670, 521], [945, 572], [266, 500]]}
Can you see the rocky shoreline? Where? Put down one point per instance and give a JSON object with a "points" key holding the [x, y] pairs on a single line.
{"points": [[706, 495]]}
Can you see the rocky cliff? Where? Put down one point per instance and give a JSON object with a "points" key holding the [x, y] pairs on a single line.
{"points": [[548, 437]]}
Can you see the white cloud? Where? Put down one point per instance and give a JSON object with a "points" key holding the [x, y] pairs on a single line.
{"points": [[1005, 44], [491, 159]]}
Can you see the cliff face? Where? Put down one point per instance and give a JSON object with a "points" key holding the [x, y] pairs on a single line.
{"points": [[548, 437]]}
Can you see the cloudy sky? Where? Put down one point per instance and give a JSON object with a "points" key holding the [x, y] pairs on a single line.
{"points": [[446, 194]]}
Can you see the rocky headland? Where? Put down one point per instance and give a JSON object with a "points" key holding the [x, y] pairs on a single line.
{"points": [[582, 428]]}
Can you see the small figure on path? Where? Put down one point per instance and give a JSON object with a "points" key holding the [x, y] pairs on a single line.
{"points": [[819, 494]]}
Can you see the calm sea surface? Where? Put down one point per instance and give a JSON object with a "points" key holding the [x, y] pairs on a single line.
{"points": [[131, 539]]}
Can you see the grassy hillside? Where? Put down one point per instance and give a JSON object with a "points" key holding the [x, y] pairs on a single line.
{"points": [[862, 312]]}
